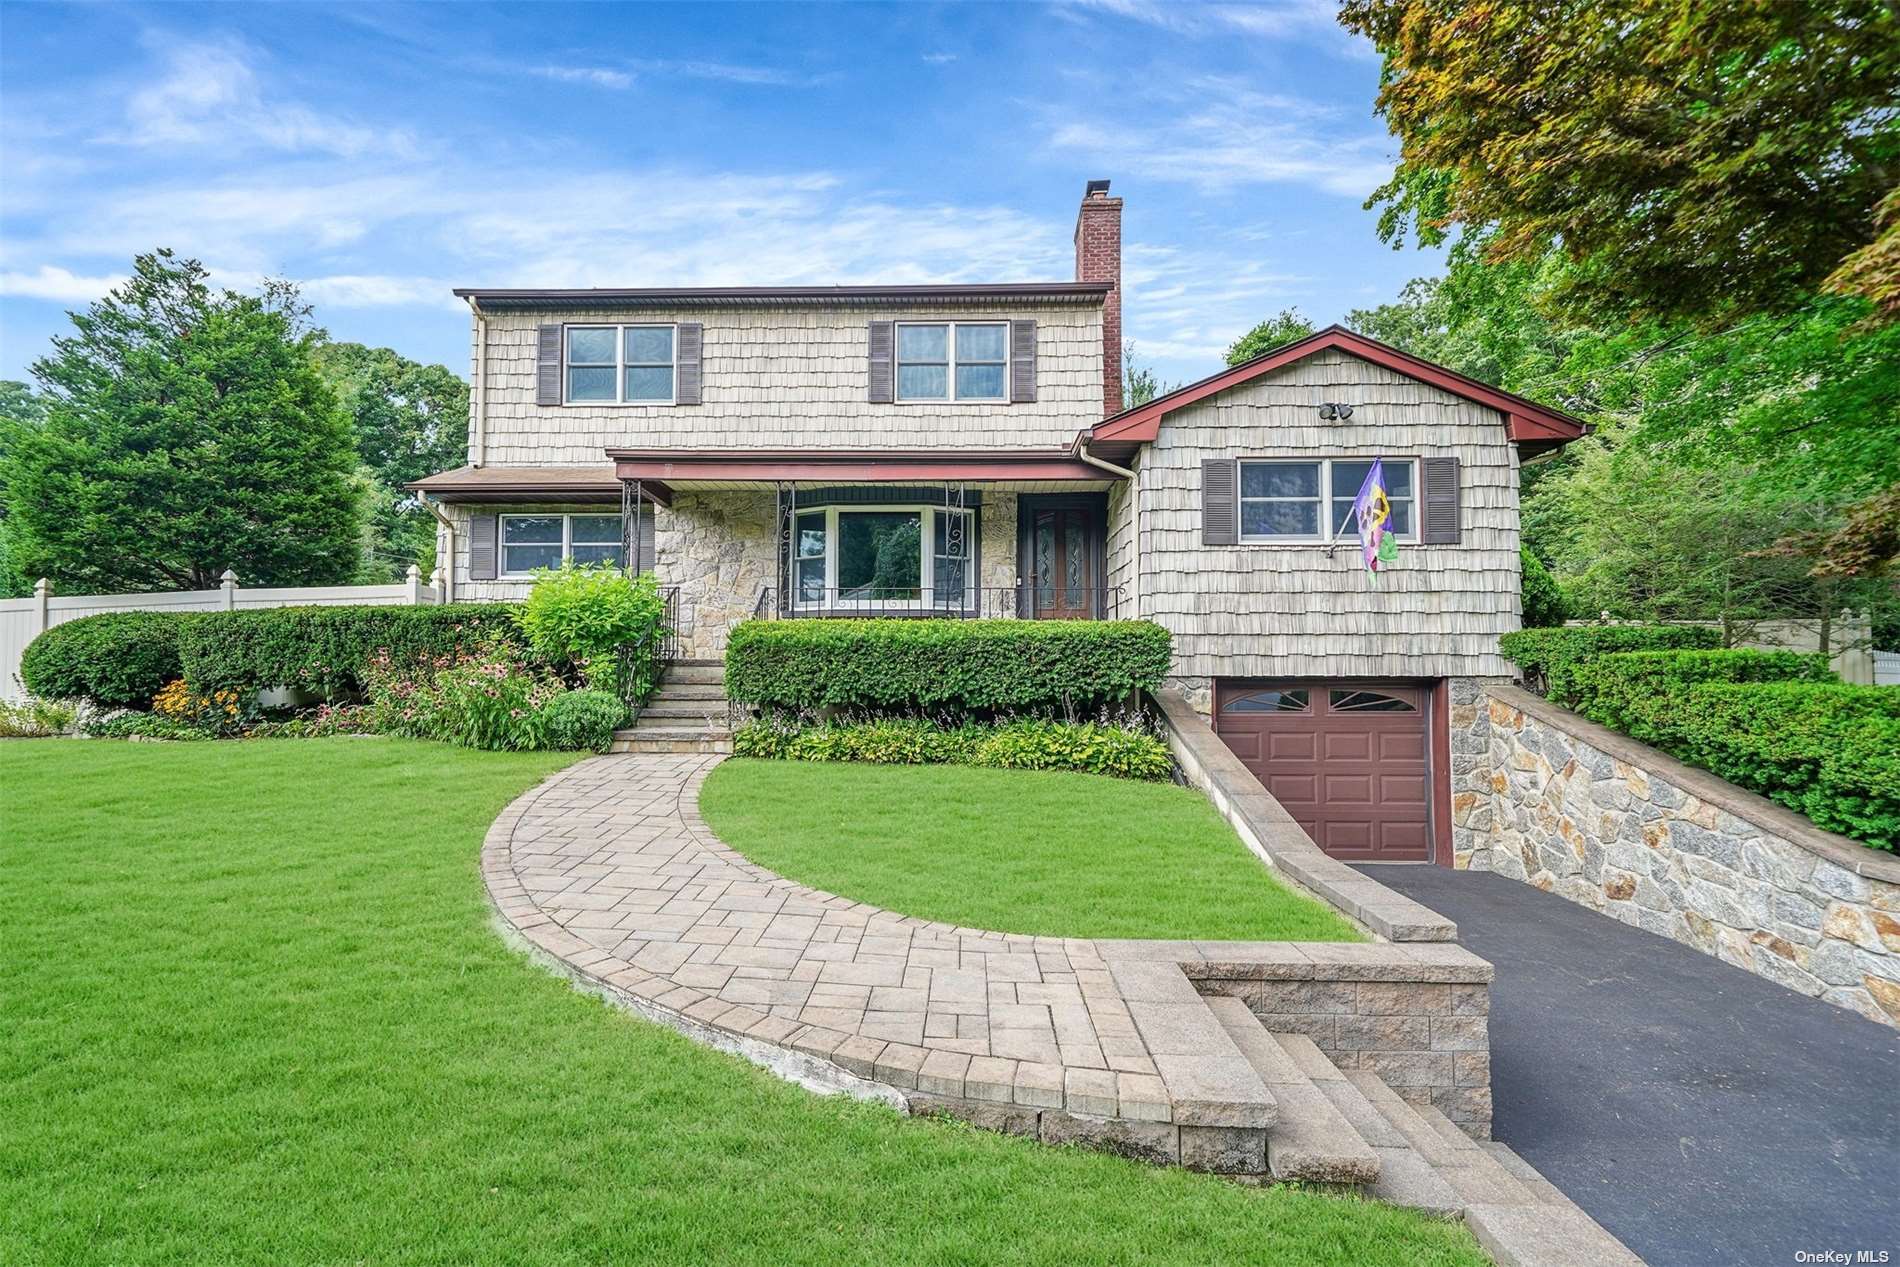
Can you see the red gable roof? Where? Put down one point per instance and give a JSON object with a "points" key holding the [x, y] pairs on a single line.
{"points": [[1528, 423]]}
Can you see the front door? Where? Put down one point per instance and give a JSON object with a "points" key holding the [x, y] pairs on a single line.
{"points": [[1062, 563]]}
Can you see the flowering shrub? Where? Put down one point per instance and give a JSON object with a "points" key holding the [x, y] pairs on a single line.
{"points": [[328, 720], [218, 712], [486, 699], [36, 718]]}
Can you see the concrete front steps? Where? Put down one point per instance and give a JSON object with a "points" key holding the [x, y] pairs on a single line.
{"points": [[1347, 1127], [688, 712]]}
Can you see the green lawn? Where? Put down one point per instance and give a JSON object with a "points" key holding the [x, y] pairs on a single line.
{"points": [[1017, 851], [253, 1012]]}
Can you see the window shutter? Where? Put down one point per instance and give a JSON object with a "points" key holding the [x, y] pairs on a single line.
{"points": [[481, 545], [1220, 502], [883, 335], [688, 373], [1022, 362], [547, 365], [1440, 526]]}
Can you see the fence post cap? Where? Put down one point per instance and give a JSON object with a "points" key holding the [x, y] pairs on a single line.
{"points": [[415, 573], [229, 577], [42, 587]]}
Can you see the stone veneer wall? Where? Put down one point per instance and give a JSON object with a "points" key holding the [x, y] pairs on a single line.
{"points": [[1594, 816], [719, 549]]}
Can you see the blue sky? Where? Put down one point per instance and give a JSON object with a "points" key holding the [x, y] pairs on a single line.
{"points": [[381, 155]]}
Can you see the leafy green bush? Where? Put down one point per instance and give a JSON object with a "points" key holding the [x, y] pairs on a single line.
{"points": [[1549, 657], [1616, 689], [330, 648], [583, 721], [966, 665], [35, 718], [1827, 750], [114, 660], [131, 725], [1022, 744], [1543, 601], [598, 619]]}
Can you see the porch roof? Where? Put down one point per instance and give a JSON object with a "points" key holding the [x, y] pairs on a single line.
{"points": [[757, 468], [515, 483]]}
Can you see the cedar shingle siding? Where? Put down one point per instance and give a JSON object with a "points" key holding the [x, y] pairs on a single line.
{"points": [[792, 378], [1305, 610]]}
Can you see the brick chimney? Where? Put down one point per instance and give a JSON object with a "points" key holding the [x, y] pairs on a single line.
{"points": [[1098, 258]]}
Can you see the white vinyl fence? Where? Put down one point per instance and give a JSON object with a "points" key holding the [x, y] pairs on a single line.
{"points": [[24, 619], [1887, 668]]}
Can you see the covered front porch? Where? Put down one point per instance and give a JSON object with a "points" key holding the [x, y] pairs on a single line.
{"points": [[752, 534]]}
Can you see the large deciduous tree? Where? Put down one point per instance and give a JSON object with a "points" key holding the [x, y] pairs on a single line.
{"points": [[186, 431], [1700, 159], [1285, 326], [409, 420]]}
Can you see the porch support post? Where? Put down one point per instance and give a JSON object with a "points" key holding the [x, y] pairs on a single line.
{"points": [[631, 495]]}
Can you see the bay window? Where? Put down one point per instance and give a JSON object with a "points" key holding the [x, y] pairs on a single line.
{"points": [[953, 361], [1312, 499], [883, 556]]}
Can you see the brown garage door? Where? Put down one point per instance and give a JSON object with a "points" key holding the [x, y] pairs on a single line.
{"points": [[1347, 759]]}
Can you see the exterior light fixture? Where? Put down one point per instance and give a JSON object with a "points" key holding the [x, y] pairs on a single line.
{"points": [[1331, 411]]}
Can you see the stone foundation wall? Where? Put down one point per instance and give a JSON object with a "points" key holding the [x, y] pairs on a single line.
{"points": [[1430, 1041], [1596, 817]]}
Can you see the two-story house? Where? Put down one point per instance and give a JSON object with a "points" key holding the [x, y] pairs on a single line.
{"points": [[961, 450]]}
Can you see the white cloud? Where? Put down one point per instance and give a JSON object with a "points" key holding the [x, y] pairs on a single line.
{"points": [[1217, 134], [378, 291], [58, 284], [598, 76], [209, 94], [1283, 19], [940, 59]]}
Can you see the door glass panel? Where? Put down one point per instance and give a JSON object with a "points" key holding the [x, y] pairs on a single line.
{"points": [[1045, 560], [1367, 702], [1075, 550], [1273, 701], [880, 555]]}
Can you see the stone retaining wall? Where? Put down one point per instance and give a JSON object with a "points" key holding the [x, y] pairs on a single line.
{"points": [[1425, 1034], [1596, 817]]}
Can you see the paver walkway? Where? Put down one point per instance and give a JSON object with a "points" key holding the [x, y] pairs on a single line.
{"points": [[1702, 1114], [609, 867]]}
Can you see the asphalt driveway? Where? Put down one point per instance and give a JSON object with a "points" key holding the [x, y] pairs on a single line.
{"points": [[1702, 1114]]}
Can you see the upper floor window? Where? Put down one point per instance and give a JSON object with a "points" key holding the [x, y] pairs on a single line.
{"points": [[543, 541], [620, 364], [953, 360], [1312, 500]]}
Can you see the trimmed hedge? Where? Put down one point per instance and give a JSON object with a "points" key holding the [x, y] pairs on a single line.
{"points": [[330, 648], [1616, 690], [1549, 657], [1827, 750], [114, 660], [1013, 745], [958, 664]]}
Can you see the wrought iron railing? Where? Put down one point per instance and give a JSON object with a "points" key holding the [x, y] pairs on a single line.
{"points": [[642, 663], [988, 602]]}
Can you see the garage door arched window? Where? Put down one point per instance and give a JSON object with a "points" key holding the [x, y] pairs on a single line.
{"points": [[1368, 702], [1274, 700]]}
